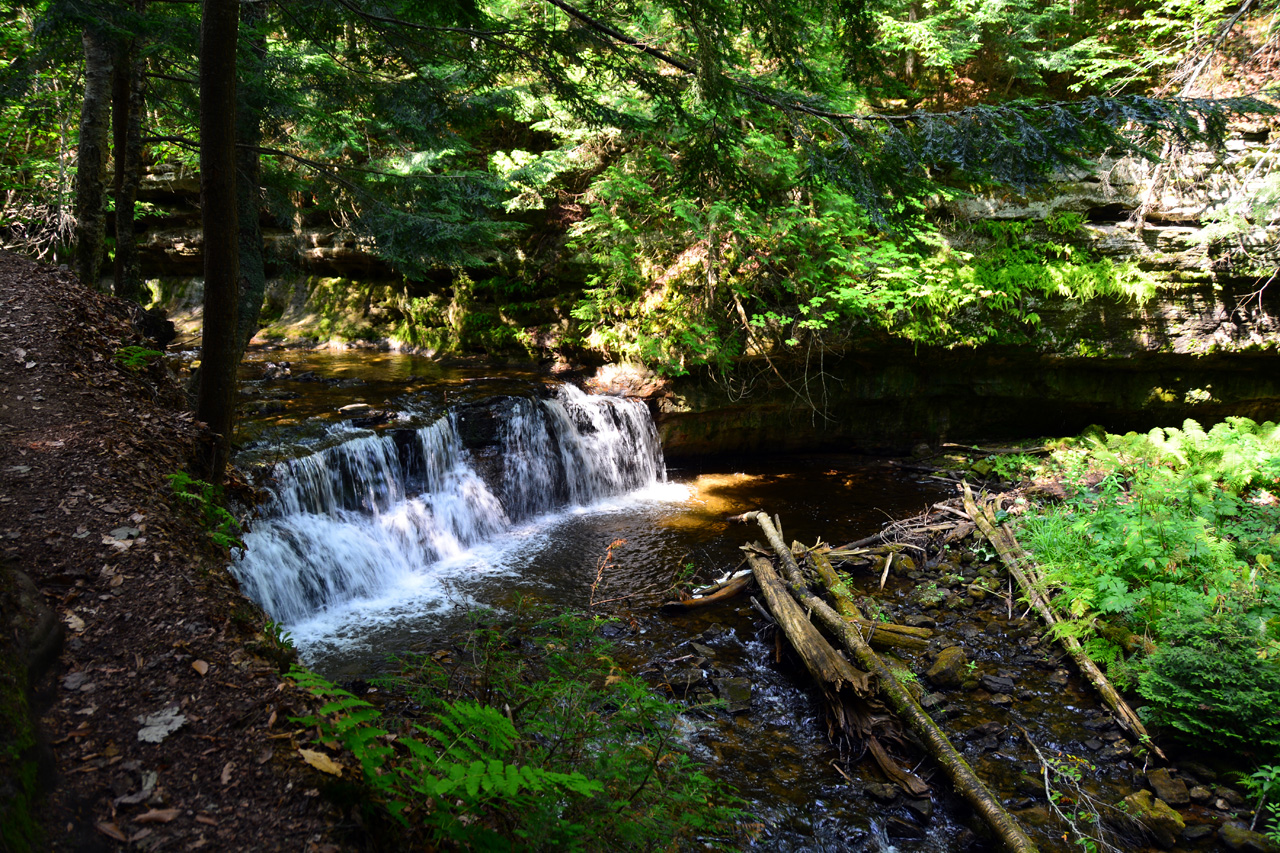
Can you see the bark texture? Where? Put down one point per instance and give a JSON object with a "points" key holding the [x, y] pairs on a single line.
{"points": [[220, 350], [126, 121], [91, 156]]}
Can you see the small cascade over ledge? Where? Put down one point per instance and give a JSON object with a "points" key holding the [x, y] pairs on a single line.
{"points": [[352, 521]]}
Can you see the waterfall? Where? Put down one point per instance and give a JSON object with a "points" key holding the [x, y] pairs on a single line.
{"points": [[348, 522]]}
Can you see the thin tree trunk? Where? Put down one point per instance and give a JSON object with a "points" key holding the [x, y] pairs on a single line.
{"points": [[91, 157], [126, 119], [220, 350], [250, 104], [901, 701]]}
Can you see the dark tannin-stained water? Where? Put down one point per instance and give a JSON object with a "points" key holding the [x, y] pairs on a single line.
{"points": [[404, 495]]}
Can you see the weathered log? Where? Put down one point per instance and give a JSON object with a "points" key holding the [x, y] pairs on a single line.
{"points": [[1024, 572], [713, 594], [881, 635], [901, 701]]}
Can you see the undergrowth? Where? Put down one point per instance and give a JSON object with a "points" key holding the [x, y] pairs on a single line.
{"points": [[1171, 536], [526, 737]]}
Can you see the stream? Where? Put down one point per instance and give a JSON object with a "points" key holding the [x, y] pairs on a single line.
{"points": [[405, 493]]}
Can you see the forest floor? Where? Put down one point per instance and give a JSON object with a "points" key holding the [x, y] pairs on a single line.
{"points": [[155, 631]]}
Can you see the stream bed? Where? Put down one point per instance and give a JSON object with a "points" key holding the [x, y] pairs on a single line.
{"points": [[405, 494]]}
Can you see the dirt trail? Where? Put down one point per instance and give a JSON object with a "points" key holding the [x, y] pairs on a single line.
{"points": [[153, 624]]}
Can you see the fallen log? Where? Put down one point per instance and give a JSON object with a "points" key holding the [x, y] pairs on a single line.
{"points": [[881, 635], [935, 741], [848, 712], [713, 594], [1023, 570]]}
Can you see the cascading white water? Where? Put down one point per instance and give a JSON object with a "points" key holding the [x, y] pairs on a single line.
{"points": [[350, 521]]}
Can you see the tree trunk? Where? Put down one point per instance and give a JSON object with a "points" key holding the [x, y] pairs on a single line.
{"points": [[220, 350], [935, 741], [91, 157], [126, 119], [881, 635], [250, 104]]}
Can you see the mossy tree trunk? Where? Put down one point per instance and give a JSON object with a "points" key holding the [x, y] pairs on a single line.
{"points": [[126, 120], [91, 155]]}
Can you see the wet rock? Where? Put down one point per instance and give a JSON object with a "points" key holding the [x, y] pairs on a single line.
{"points": [[372, 418], [735, 692], [1001, 700], [1233, 797], [882, 791], [920, 621], [703, 650], [932, 700], [990, 727], [1199, 771], [1172, 790], [1059, 678], [901, 830], [1198, 832], [949, 669], [997, 684], [1093, 744], [276, 370], [922, 809], [1155, 815], [684, 681], [1115, 751], [1200, 794], [1239, 838]]}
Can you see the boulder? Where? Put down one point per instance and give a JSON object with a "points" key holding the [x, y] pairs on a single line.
{"points": [[949, 669], [1239, 838], [735, 692], [1155, 815], [1168, 788]]}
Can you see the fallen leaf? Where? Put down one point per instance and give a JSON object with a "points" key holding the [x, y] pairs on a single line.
{"points": [[140, 834], [206, 820], [74, 622], [226, 771], [160, 725], [157, 816], [200, 666], [111, 831], [321, 762]]}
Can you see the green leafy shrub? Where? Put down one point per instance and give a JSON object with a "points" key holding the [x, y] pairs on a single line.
{"points": [[529, 739], [1171, 536], [1207, 682]]}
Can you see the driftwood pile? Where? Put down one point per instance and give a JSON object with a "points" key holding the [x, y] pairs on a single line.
{"points": [[867, 705]]}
